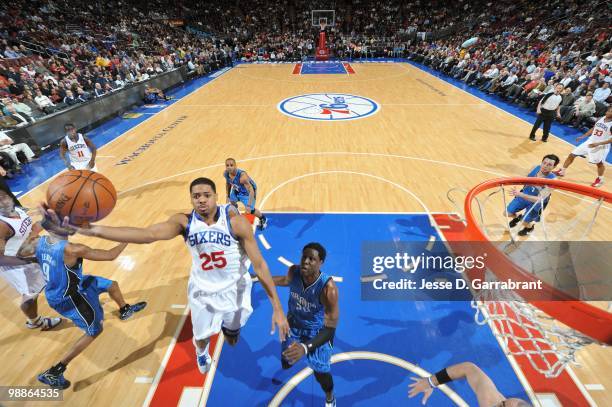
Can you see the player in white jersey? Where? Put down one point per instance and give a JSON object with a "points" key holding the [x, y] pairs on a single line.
{"points": [[26, 277], [596, 148], [81, 150], [222, 247]]}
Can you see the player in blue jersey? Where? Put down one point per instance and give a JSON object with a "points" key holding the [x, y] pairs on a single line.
{"points": [[531, 199], [241, 187], [313, 316], [72, 294]]}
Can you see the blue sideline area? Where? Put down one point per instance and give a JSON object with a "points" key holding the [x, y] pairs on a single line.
{"points": [[430, 334]]}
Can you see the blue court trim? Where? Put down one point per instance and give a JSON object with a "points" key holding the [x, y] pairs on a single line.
{"points": [[430, 334], [50, 164]]}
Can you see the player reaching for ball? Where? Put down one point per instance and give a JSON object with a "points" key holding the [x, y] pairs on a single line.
{"points": [[81, 150], [222, 245], [72, 294]]}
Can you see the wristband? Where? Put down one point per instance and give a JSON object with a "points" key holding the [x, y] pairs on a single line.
{"points": [[305, 348], [443, 377]]}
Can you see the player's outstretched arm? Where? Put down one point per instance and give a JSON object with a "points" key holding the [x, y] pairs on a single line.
{"points": [[167, 230], [484, 388], [85, 252], [284, 281], [242, 230]]}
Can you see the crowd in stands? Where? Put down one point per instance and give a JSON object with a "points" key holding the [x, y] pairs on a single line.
{"points": [[529, 50], [58, 53]]}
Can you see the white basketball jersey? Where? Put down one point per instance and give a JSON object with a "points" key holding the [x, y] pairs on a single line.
{"points": [[78, 151], [601, 131], [218, 259], [22, 227]]}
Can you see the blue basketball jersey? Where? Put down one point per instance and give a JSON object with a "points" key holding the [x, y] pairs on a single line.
{"points": [[60, 278], [534, 190], [236, 185], [305, 308]]}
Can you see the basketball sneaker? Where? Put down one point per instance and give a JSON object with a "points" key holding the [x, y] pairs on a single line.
{"points": [[54, 380], [129, 310], [597, 183], [331, 403], [204, 359], [44, 323], [525, 231], [560, 172], [515, 221]]}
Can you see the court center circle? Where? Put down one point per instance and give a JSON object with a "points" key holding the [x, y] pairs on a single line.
{"points": [[328, 107]]}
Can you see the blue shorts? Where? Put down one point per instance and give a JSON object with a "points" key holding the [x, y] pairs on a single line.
{"points": [[319, 360], [532, 210], [83, 307], [244, 199]]}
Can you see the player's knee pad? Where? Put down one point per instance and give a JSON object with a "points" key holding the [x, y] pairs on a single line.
{"points": [[325, 380]]}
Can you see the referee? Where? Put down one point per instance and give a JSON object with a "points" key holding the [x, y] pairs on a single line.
{"points": [[547, 107]]}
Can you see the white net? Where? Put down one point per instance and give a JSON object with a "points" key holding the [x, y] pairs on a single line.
{"points": [[526, 331], [523, 329]]}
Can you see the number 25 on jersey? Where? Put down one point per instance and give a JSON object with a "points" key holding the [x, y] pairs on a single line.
{"points": [[214, 260]]}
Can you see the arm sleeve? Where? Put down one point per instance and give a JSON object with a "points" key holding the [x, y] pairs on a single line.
{"points": [[325, 335]]}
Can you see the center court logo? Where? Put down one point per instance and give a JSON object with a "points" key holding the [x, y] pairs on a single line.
{"points": [[328, 106]]}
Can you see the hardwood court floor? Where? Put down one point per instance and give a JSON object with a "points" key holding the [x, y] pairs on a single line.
{"points": [[427, 137]]}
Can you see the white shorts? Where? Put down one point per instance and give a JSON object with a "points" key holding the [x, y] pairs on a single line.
{"points": [[594, 155], [230, 308], [84, 165], [27, 280]]}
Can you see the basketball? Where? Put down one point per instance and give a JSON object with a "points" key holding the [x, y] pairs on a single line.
{"points": [[84, 196]]}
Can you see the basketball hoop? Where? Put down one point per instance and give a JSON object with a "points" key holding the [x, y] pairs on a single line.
{"points": [[548, 333]]}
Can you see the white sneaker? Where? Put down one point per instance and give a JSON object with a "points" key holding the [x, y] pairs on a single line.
{"points": [[44, 323], [330, 403], [204, 360]]}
